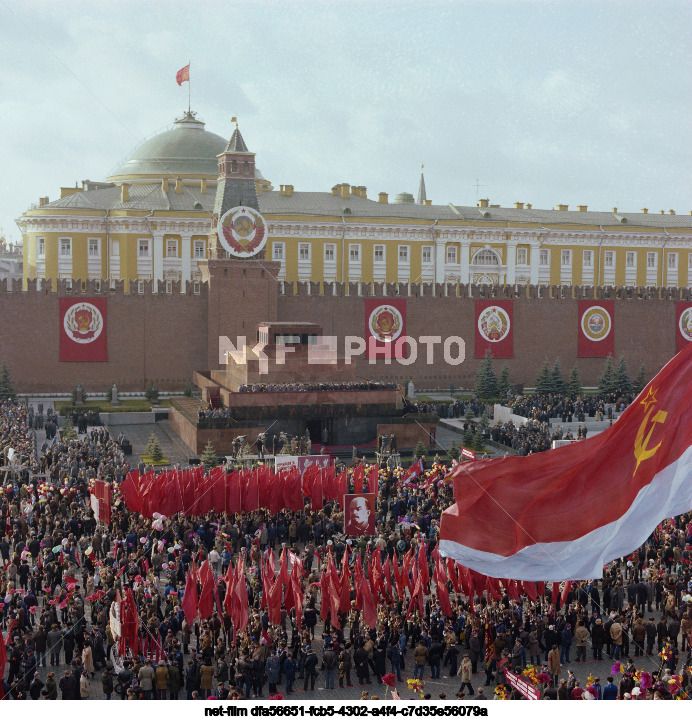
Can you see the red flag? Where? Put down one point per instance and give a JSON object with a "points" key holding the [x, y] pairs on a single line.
{"points": [[189, 604], [233, 504], [373, 486], [183, 75], [556, 593], [423, 565], [334, 604], [297, 596], [228, 598], [398, 580], [530, 588], [442, 590], [358, 476], [642, 460], [317, 492], [565, 593], [342, 486], [206, 599], [274, 602], [241, 616], [369, 608]]}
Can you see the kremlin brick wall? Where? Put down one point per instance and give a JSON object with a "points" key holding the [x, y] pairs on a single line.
{"points": [[165, 337]]}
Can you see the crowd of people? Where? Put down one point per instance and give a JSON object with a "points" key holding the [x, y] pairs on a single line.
{"points": [[63, 571]]}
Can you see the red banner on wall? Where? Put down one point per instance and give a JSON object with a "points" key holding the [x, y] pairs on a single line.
{"points": [[385, 325], [494, 331], [596, 328], [83, 329], [683, 325]]}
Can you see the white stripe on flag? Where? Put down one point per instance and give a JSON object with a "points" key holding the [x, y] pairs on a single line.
{"points": [[669, 494]]}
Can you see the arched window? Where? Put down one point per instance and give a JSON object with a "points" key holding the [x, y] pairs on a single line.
{"points": [[486, 257]]}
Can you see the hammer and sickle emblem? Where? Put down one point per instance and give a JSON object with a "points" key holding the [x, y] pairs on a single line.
{"points": [[641, 450]]}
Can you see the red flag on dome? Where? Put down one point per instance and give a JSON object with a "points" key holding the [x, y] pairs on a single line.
{"points": [[183, 75]]}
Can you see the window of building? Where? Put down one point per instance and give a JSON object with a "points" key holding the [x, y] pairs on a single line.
{"points": [[566, 257], [195, 287], [304, 251], [689, 261], [200, 249], [354, 252], [651, 260], [140, 287], [144, 248], [521, 256], [171, 248], [609, 258], [41, 248], [588, 259], [630, 259], [278, 251], [403, 253], [485, 257], [452, 254], [544, 257], [672, 261], [329, 252], [169, 287], [427, 254], [65, 246], [94, 247], [379, 254]]}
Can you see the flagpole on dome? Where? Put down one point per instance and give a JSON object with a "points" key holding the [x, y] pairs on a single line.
{"points": [[189, 107]]}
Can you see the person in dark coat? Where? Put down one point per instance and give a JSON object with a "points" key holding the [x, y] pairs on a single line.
{"points": [[310, 669], [289, 668]]}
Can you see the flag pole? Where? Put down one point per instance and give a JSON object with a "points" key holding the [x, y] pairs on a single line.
{"points": [[188, 87]]}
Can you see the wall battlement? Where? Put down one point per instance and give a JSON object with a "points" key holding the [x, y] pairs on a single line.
{"points": [[481, 292]]}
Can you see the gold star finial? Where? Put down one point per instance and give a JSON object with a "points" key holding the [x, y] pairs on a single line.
{"points": [[234, 119]]}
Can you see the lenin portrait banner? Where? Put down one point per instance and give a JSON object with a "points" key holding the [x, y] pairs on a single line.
{"points": [[494, 331], [596, 332], [683, 325], [83, 329], [359, 509], [385, 323]]}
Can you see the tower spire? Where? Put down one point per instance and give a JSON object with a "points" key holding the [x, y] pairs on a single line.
{"points": [[421, 188]]}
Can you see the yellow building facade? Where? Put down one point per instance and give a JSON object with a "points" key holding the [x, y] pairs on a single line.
{"points": [[151, 218]]}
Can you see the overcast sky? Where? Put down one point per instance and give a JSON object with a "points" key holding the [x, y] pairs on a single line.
{"points": [[542, 102]]}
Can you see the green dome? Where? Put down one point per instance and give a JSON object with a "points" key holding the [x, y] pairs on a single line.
{"points": [[186, 149], [403, 198]]}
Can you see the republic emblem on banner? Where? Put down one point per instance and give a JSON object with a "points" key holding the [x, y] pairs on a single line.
{"points": [[243, 232], [83, 323], [494, 324], [685, 324], [385, 323], [596, 323]]}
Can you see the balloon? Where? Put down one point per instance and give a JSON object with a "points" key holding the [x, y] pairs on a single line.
{"points": [[164, 566], [156, 515], [57, 549], [157, 526]]}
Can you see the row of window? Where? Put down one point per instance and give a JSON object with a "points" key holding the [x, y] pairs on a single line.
{"points": [[483, 257], [199, 249], [355, 252]]}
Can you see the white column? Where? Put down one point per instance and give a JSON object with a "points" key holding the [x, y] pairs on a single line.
{"points": [[511, 261], [186, 258], [465, 261], [157, 259], [440, 260], [535, 258]]}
